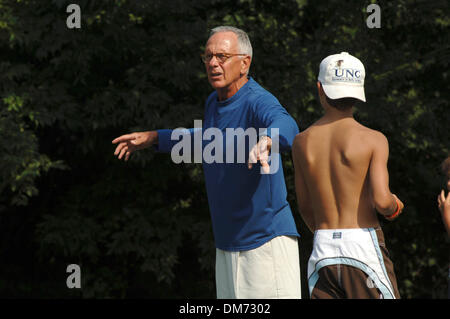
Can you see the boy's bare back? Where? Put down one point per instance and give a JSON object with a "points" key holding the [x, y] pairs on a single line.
{"points": [[333, 160], [341, 182]]}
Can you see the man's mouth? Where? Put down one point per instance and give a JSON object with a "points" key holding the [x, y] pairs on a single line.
{"points": [[214, 75]]}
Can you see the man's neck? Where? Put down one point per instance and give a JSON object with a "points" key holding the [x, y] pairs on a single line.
{"points": [[227, 92]]}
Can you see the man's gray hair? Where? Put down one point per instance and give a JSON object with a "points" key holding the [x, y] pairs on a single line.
{"points": [[243, 40]]}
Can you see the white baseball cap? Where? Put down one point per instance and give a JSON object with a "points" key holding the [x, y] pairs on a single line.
{"points": [[342, 75]]}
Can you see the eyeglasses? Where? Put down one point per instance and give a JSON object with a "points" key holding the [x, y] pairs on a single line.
{"points": [[221, 57]]}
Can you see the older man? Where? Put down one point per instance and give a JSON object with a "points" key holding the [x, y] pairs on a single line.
{"points": [[254, 230]]}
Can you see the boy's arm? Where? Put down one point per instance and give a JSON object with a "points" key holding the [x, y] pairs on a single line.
{"points": [[301, 189], [385, 202]]}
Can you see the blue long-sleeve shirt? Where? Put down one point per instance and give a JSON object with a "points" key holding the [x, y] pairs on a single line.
{"points": [[247, 208]]}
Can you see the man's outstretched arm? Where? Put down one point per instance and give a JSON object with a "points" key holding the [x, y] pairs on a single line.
{"points": [[132, 142], [160, 139]]}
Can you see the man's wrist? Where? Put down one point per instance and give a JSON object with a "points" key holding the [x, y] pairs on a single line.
{"points": [[267, 138], [155, 137]]}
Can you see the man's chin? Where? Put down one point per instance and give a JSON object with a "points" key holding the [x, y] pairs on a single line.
{"points": [[216, 84]]}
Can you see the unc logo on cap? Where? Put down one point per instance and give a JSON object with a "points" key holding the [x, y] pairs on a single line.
{"points": [[349, 75], [342, 75]]}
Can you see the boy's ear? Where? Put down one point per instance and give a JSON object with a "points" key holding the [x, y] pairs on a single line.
{"points": [[319, 88]]}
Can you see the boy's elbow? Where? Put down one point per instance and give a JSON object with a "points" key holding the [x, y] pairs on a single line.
{"points": [[384, 204]]}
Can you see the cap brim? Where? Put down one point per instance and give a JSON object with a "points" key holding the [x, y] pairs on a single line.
{"points": [[341, 91]]}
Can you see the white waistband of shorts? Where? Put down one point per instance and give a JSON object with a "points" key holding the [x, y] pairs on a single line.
{"points": [[343, 233]]}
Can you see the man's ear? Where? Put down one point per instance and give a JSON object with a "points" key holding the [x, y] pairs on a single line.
{"points": [[245, 64]]}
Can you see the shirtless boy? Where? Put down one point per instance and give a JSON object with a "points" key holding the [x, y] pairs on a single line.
{"points": [[341, 181]]}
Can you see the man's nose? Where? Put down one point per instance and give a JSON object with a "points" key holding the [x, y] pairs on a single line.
{"points": [[213, 62]]}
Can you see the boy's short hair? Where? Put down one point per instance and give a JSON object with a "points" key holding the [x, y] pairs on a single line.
{"points": [[342, 104]]}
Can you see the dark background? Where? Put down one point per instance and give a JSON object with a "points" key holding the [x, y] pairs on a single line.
{"points": [[142, 229]]}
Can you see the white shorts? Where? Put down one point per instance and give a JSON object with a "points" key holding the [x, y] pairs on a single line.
{"points": [[355, 247], [270, 271]]}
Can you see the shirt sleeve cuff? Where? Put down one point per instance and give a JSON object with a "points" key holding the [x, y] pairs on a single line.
{"points": [[164, 143]]}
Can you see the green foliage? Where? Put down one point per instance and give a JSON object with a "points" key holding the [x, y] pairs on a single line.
{"points": [[142, 228]]}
